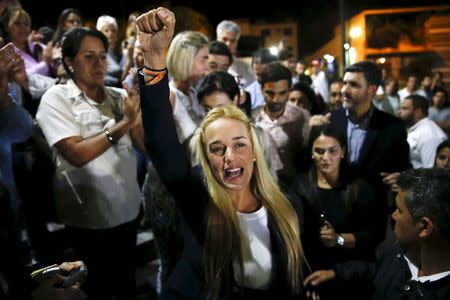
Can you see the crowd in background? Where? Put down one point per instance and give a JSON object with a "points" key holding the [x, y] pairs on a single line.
{"points": [[72, 145]]}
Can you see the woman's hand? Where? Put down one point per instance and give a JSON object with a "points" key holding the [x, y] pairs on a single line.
{"points": [[132, 106], [35, 36], [50, 288], [51, 53], [19, 74], [328, 235], [9, 60], [155, 32]]}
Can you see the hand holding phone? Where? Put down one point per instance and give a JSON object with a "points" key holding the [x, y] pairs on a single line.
{"points": [[75, 276]]}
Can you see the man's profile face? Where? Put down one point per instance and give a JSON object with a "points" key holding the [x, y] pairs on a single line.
{"points": [[230, 39], [406, 112], [336, 97], [276, 95], [405, 229], [356, 91]]}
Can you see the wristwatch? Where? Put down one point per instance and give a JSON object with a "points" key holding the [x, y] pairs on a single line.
{"points": [[340, 240]]}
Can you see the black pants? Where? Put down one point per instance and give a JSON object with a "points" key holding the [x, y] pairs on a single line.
{"points": [[109, 255]]}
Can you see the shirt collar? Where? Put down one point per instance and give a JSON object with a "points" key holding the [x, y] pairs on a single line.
{"points": [[364, 124], [75, 92], [417, 125], [415, 273]]}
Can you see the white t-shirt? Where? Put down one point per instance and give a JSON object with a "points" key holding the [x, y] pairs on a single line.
{"points": [[242, 72], [104, 192], [256, 95], [320, 85], [423, 138], [258, 269]]}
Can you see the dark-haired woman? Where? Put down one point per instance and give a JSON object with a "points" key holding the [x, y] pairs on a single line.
{"points": [[91, 130], [68, 19], [443, 155], [342, 221]]}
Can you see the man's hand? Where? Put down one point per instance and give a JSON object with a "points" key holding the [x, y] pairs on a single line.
{"points": [[319, 277], [318, 120], [155, 32], [391, 180]]}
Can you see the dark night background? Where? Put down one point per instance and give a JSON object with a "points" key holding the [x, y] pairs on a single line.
{"points": [[316, 18]]}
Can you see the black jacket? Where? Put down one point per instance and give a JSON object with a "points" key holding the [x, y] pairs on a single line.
{"points": [[390, 278], [192, 199]]}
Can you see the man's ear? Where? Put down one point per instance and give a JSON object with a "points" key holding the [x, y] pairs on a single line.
{"points": [[425, 227], [373, 89]]}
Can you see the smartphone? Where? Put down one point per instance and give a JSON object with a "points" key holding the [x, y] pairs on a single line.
{"points": [[74, 276], [7, 50], [45, 272]]}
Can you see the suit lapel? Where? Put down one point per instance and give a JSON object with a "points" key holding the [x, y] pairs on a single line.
{"points": [[339, 119]]}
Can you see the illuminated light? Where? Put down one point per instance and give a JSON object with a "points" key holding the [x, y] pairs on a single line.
{"points": [[329, 58], [353, 55], [346, 46], [382, 60], [308, 72], [273, 50], [355, 32]]}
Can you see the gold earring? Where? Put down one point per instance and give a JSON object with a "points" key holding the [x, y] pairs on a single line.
{"points": [[71, 69]]}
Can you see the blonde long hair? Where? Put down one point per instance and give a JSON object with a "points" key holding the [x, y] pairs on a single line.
{"points": [[224, 237]]}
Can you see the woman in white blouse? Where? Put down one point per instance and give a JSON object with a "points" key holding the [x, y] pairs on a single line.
{"points": [[91, 130]]}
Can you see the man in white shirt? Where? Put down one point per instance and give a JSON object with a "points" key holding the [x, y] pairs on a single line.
{"points": [[287, 124], [320, 82], [411, 88], [424, 135], [228, 32]]}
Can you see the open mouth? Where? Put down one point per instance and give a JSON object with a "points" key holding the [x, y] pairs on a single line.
{"points": [[233, 173]]}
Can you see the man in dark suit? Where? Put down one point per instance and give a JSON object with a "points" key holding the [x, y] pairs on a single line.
{"points": [[376, 140]]}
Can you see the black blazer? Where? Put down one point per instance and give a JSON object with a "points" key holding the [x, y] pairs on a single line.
{"points": [[185, 185], [385, 148]]}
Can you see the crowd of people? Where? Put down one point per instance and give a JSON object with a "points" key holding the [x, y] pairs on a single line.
{"points": [[256, 179]]}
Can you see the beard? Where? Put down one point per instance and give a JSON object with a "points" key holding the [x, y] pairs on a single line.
{"points": [[408, 121], [275, 106]]}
